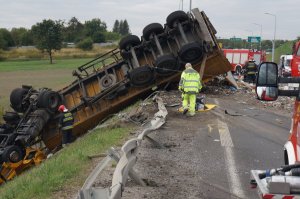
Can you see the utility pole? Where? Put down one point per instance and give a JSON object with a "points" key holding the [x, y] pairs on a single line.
{"points": [[190, 5], [273, 46]]}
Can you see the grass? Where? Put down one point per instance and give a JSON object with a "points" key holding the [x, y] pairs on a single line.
{"points": [[64, 168], [8, 66], [285, 49]]}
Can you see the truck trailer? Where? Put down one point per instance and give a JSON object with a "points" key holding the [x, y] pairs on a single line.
{"points": [[106, 85]]}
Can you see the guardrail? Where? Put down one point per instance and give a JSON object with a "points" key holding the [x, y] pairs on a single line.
{"points": [[126, 162]]}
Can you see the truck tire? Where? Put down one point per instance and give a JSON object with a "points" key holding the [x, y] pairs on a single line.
{"points": [[125, 54], [166, 65], [129, 41], [141, 76], [49, 100], [155, 28], [11, 117], [119, 92], [108, 81], [16, 99], [175, 17], [13, 154], [191, 52]]}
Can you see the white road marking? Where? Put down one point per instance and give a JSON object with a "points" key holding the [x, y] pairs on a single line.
{"points": [[233, 178], [217, 111]]}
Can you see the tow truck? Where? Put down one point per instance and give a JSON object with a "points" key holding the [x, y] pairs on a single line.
{"points": [[284, 181], [106, 85]]}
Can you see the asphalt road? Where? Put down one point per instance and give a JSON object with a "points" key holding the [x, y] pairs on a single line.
{"points": [[211, 154]]}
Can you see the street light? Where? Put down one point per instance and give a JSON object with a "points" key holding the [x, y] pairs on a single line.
{"points": [[260, 33], [273, 46]]}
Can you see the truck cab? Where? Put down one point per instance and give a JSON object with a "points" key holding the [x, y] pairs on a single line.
{"points": [[295, 62]]}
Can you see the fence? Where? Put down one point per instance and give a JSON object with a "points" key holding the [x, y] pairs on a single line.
{"points": [[126, 162]]}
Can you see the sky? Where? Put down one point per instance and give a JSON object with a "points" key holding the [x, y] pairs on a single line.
{"points": [[231, 18]]}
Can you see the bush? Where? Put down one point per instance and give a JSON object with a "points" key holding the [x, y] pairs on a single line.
{"points": [[2, 57], [86, 44]]}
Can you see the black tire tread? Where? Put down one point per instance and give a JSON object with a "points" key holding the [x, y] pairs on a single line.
{"points": [[130, 40], [178, 15], [156, 28]]}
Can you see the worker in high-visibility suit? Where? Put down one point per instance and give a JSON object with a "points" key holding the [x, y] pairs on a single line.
{"points": [[66, 121], [190, 86]]}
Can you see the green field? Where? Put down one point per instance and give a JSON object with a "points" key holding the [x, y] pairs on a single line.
{"points": [[285, 49], [37, 73], [8, 66]]}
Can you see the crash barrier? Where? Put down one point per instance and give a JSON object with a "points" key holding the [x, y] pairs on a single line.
{"points": [[126, 162]]}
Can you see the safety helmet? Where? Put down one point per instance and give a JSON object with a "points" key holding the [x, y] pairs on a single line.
{"points": [[61, 108], [188, 65]]}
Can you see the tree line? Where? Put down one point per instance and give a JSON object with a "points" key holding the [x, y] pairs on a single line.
{"points": [[239, 44], [72, 31], [49, 35]]}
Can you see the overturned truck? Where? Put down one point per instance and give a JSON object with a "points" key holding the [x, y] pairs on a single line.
{"points": [[107, 84]]}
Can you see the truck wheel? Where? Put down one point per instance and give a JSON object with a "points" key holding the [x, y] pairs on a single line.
{"points": [[11, 117], [141, 76], [125, 54], [175, 17], [191, 52], [129, 41], [13, 154], [155, 28], [16, 99], [108, 81], [166, 64], [49, 100]]}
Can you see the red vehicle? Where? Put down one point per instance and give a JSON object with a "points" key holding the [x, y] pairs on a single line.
{"points": [[238, 57], [295, 62]]}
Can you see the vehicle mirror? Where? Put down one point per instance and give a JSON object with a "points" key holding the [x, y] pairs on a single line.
{"points": [[266, 93], [267, 81]]}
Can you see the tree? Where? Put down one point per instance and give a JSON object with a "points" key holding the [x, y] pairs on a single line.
{"points": [[22, 36], [124, 28], [93, 26], [48, 36], [8, 40], [116, 28], [3, 43], [98, 37], [74, 31]]}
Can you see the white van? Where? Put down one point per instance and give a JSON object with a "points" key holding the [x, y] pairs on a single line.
{"points": [[285, 65]]}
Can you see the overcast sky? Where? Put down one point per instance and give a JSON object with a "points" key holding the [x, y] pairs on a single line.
{"points": [[230, 17]]}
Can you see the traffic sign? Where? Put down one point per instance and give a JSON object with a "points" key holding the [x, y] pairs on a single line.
{"points": [[254, 39], [235, 39]]}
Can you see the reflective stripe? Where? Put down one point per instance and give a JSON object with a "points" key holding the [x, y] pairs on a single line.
{"points": [[192, 81], [67, 127], [67, 119], [67, 114], [191, 87]]}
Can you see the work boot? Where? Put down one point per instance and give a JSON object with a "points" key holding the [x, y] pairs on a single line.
{"points": [[191, 114], [185, 111]]}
